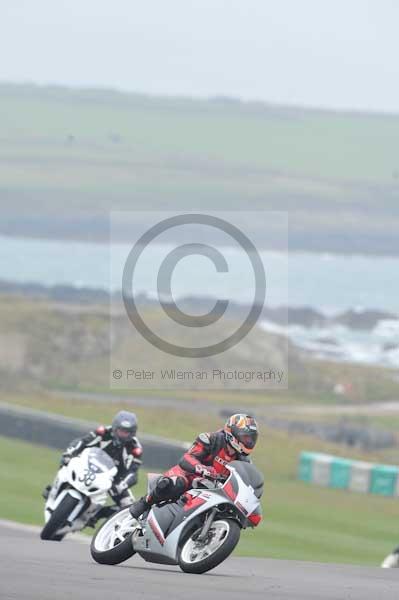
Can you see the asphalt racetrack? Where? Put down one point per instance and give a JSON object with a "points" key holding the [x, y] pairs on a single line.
{"points": [[34, 570]]}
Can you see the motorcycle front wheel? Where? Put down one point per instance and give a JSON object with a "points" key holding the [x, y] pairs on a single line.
{"points": [[112, 543], [200, 557], [58, 519], [392, 560]]}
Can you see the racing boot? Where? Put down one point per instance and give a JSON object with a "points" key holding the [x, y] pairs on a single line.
{"points": [[163, 491]]}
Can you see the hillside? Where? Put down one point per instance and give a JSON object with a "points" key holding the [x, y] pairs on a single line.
{"points": [[69, 156], [53, 345]]}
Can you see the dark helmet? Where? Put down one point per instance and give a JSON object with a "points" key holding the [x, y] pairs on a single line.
{"points": [[241, 433], [124, 427]]}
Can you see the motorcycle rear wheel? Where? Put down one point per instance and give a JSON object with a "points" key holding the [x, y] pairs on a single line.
{"points": [[58, 519], [112, 543], [197, 558]]}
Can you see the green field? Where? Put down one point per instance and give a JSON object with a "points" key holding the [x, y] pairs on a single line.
{"points": [[300, 521], [106, 124], [76, 154]]}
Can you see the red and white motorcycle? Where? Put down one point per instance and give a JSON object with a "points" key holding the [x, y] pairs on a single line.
{"points": [[197, 532]]}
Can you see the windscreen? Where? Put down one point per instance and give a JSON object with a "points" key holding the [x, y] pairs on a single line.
{"points": [[250, 475], [98, 457]]}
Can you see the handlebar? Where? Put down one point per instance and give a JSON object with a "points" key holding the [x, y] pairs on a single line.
{"points": [[218, 478], [203, 472]]}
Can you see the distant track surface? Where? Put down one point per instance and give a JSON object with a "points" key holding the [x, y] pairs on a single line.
{"points": [[34, 570]]}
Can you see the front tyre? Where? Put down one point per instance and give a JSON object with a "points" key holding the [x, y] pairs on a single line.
{"points": [[392, 560], [59, 519], [112, 543], [200, 557]]}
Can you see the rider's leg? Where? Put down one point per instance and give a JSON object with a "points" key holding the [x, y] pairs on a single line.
{"points": [[168, 487]]}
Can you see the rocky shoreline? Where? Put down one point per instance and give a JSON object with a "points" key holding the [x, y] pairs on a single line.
{"points": [[305, 316]]}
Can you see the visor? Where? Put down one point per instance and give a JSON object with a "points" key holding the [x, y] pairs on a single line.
{"points": [[248, 439], [124, 434]]}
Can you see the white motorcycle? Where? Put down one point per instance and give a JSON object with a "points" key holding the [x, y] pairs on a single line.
{"points": [[79, 491], [197, 532]]}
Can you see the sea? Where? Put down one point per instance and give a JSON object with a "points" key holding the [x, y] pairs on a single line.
{"points": [[329, 283]]}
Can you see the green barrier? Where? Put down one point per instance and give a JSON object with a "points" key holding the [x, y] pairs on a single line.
{"points": [[346, 474], [340, 473], [383, 480], [305, 472]]}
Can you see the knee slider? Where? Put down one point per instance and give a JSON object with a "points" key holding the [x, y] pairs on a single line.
{"points": [[163, 489], [169, 488], [177, 488], [163, 484]]}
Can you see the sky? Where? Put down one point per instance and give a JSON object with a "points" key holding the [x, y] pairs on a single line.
{"points": [[341, 54]]}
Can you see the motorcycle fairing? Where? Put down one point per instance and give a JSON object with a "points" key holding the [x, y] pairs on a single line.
{"points": [[71, 479], [237, 491], [165, 524], [164, 527], [90, 471], [171, 516]]}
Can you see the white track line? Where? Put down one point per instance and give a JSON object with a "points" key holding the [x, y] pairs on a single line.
{"points": [[74, 537]]}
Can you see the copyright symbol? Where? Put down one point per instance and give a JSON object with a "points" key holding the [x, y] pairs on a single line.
{"points": [[117, 374], [164, 285]]}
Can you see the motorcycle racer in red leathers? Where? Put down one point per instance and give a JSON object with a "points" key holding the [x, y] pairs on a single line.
{"points": [[207, 457]]}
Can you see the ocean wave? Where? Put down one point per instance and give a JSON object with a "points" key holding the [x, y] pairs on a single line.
{"points": [[378, 346]]}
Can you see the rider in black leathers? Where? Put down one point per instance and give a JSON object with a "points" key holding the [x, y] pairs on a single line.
{"points": [[119, 441]]}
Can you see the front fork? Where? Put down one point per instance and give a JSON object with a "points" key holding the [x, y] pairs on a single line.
{"points": [[207, 525]]}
